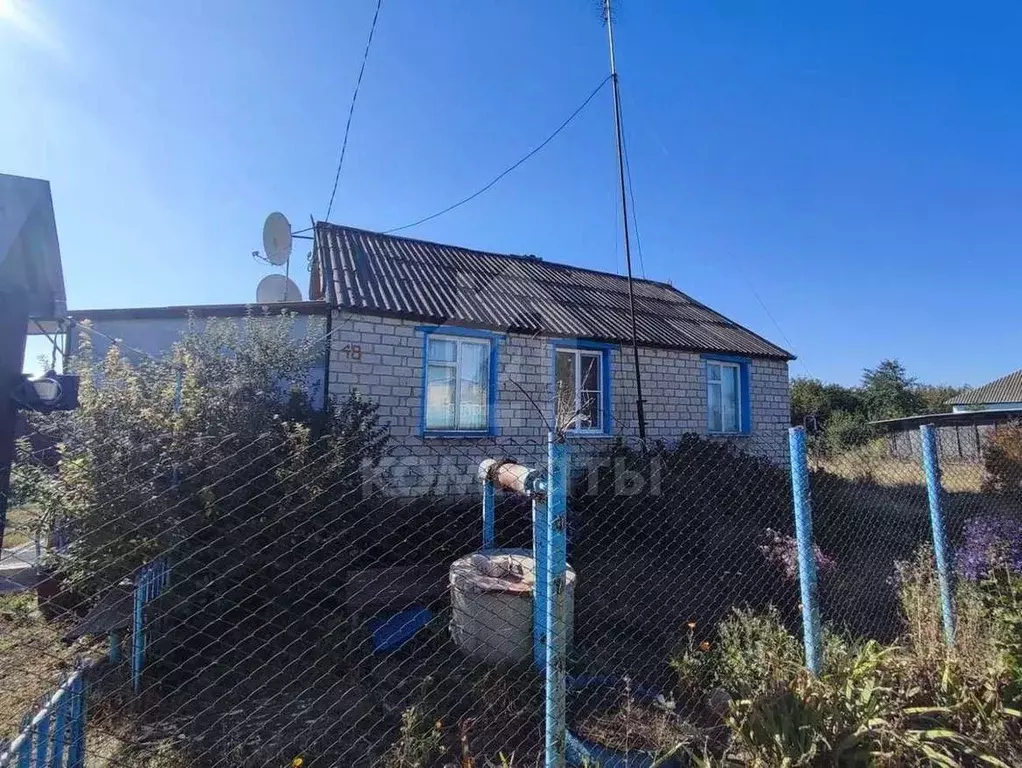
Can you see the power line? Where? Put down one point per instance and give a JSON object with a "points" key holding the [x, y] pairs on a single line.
{"points": [[351, 108], [507, 170]]}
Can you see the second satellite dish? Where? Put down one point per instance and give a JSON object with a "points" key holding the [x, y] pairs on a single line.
{"points": [[277, 238], [276, 288]]}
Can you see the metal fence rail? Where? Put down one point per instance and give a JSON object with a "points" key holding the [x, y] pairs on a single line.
{"points": [[53, 737]]}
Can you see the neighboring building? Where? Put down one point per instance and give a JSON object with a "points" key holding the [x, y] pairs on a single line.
{"points": [[1003, 394], [468, 353], [152, 331]]}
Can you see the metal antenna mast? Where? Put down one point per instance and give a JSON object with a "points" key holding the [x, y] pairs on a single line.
{"points": [[609, 20]]}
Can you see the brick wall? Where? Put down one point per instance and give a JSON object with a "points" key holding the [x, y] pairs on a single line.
{"points": [[382, 358]]}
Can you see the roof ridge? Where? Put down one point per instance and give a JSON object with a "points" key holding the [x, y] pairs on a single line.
{"points": [[518, 256]]}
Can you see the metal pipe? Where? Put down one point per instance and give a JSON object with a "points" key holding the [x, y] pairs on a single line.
{"points": [[804, 535], [931, 468], [555, 568], [640, 410]]}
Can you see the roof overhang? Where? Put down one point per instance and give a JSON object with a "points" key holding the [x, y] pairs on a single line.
{"points": [[29, 251]]}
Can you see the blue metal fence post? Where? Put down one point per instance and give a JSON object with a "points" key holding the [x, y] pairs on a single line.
{"points": [[539, 553], [931, 468], [556, 568], [42, 740], [137, 641], [59, 731], [804, 535], [76, 741], [489, 514]]}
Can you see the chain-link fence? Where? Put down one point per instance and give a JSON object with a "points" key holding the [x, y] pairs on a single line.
{"points": [[256, 583]]}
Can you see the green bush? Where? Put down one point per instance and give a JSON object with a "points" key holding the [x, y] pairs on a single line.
{"points": [[245, 476], [872, 704], [846, 430]]}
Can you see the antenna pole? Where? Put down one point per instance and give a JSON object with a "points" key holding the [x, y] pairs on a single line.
{"points": [[608, 19]]}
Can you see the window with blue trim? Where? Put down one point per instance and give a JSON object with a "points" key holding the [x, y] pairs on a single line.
{"points": [[727, 396], [582, 387], [458, 385]]}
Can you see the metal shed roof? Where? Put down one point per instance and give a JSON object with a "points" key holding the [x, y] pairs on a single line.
{"points": [[1007, 389], [377, 273]]}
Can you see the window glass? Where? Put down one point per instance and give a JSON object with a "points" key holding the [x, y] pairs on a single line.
{"points": [[578, 379], [440, 397], [723, 397], [473, 381], [729, 397], [457, 384], [565, 394]]}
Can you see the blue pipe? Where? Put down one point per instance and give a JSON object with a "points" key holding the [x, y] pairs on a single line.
{"points": [[804, 535], [931, 468], [555, 567], [489, 515]]}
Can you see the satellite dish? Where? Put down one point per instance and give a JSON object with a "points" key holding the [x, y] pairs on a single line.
{"points": [[277, 238], [276, 288]]}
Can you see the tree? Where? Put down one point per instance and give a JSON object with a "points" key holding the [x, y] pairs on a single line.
{"points": [[889, 392], [218, 457], [846, 430], [935, 396], [811, 397]]}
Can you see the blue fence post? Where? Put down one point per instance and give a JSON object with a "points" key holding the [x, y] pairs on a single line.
{"points": [[489, 514], [539, 554], [931, 468], [137, 631], [804, 535], [76, 741], [42, 740], [556, 568], [25, 750], [60, 730]]}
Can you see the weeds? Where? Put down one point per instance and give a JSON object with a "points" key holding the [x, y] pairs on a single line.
{"points": [[418, 743]]}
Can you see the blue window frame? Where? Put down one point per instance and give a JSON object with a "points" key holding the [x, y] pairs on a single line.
{"points": [[728, 401], [459, 382], [581, 386]]}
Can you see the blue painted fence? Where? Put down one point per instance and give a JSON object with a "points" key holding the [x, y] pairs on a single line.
{"points": [[150, 581], [54, 737]]}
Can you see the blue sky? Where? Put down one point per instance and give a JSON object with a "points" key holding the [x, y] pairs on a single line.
{"points": [[857, 165]]}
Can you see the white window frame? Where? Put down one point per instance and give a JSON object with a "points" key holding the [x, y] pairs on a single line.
{"points": [[579, 353], [458, 341], [737, 367]]}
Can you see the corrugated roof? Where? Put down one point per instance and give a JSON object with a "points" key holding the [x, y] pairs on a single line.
{"points": [[1007, 389], [383, 274]]}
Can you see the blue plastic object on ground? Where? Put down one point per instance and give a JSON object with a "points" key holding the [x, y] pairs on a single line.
{"points": [[391, 632]]}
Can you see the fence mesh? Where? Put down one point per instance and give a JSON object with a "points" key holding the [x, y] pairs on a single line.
{"points": [[314, 615]]}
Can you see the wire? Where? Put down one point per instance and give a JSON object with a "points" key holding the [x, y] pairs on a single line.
{"points": [[351, 108], [631, 195], [507, 170]]}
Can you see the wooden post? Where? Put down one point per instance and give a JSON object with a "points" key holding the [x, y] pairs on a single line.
{"points": [[13, 330]]}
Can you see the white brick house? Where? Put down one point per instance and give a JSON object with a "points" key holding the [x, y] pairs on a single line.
{"points": [[462, 349]]}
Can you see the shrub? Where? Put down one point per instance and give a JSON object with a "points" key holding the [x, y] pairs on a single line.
{"points": [[246, 473], [845, 430], [871, 705], [1002, 458], [919, 592]]}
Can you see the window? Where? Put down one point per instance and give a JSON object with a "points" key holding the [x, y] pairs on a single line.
{"points": [[580, 395], [727, 396], [458, 382]]}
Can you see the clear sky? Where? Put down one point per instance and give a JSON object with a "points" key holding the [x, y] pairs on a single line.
{"points": [[858, 165]]}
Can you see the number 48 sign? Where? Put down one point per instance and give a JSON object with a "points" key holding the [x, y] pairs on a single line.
{"points": [[352, 351]]}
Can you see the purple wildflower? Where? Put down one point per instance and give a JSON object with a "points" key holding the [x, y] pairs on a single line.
{"points": [[987, 539]]}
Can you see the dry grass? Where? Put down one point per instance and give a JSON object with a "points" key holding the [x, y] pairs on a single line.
{"points": [[35, 659], [871, 463], [21, 525]]}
